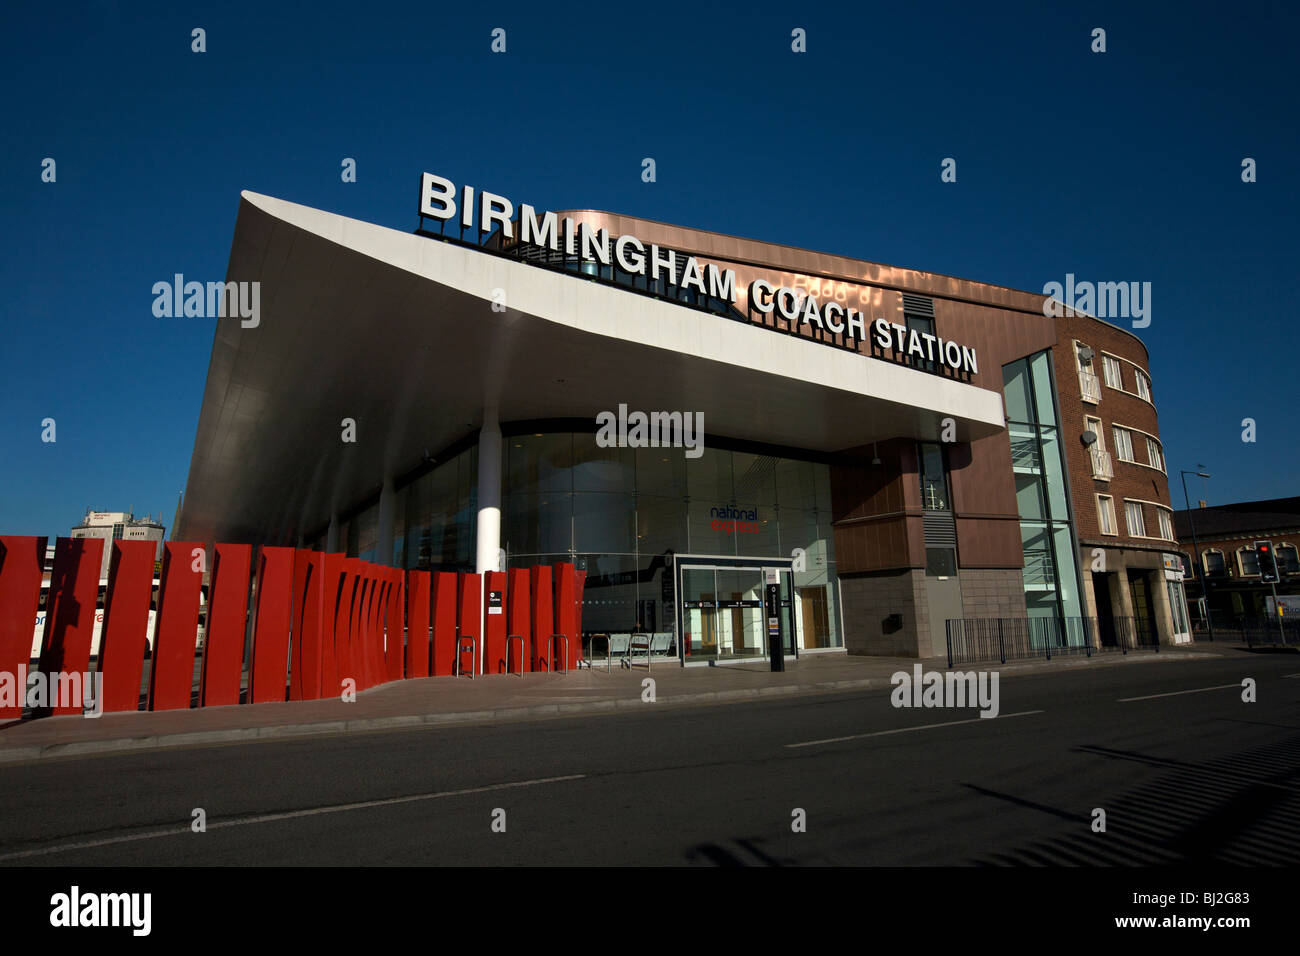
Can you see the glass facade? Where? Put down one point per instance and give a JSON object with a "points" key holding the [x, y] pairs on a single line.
{"points": [[620, 514], [1050, 573]]}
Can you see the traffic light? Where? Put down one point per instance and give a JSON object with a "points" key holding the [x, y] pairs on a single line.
{"points": [[1267, 562]]}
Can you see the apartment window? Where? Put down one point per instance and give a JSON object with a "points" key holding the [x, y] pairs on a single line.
{"points": [[1189, 569], [1143, 384], [1123, 444], [1094, 425], [1288, 559], [1114, 376], [1153, 454], [1247, 561], [1166, 524], [1214, 566], [1106, 514], [1133, 519]]}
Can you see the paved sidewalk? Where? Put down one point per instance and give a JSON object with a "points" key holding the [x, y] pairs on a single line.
{"points": [[446, 700]]}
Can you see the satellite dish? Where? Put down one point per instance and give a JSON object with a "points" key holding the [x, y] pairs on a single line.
{"points": [[1089, 438], [1085, 353]]}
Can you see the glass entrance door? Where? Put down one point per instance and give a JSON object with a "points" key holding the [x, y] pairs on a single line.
{"points": [[722, 612], [699, 614]]}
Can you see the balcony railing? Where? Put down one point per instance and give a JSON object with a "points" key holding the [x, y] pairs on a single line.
{"points": [[1040, 570], [1024, 454], [1089, 386], [1102, 468]]}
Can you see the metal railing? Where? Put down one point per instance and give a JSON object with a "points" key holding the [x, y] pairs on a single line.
{"points": [[1024, 453], [1089, 386], [982, 640], [1102, 467], [1252, 631], [1040, 569], [509, 639]]}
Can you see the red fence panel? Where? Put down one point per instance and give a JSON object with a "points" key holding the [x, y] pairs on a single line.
{"points": [[305, 655], [343, 623], [332, 592], [223, 641], [519, 616], [126, 623], [171, 677], [580, 585], [417, 623], [70, 612], [266, 678], [566, 613], [494, 622], [378, 666], [21, 561], [444, 623], [469, 591], [543, 615], [393, 627]]}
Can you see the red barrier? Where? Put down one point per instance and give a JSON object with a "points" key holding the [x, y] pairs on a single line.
{"points": [[543, 615], [566, 614], [518, 617], [70, 611], [223, 639], [417, 623], [266, 678], [469, 591], [444, 623], [355, 661], [343, 624], [494, 622], [305, 656], [580, 586], [332, 592], [21, 561], [171, 678], [361, 625], [379, 666], [126, 623], [393, 626], [375, 623]]}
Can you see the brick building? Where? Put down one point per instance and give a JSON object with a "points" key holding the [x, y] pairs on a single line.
{"points": [[1118, 481], [1225, 537]]}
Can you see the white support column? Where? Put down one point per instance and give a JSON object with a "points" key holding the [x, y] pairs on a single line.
{"points": [[488, 538], [332, 535], [384, 548]]}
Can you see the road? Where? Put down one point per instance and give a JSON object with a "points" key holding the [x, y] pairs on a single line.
{"points": [[1199, 777]]}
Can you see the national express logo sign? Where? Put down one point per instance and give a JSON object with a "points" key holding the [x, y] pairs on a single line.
{"points": [[484, 212]]}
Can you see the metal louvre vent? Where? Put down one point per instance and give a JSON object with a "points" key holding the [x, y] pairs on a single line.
{"points": [[918, 305], [940, 530]]}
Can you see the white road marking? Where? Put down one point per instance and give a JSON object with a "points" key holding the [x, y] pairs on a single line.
{"points": [[903, 730], [1291, 675], [287, 815], [1175, 693]]}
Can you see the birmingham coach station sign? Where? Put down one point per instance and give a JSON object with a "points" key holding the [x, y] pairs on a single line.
{"points": [[440, 200]]}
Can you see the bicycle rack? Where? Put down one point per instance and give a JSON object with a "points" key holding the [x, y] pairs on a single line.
{"points": [[473, 654], [520, 639], [550, 664]]}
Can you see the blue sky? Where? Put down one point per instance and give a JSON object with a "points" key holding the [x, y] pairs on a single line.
{"points": [[1116, 166]]}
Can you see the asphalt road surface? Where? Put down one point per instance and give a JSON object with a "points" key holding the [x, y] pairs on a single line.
{"points": [[1198, 776]]}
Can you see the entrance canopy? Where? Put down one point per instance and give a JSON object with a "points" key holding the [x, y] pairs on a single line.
{"points": [[412, 338]]}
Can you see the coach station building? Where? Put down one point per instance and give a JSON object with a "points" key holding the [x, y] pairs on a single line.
{"points": [[685, 415]]}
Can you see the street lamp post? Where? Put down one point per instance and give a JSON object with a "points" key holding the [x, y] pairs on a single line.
{"points": [[1200, 568]]}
